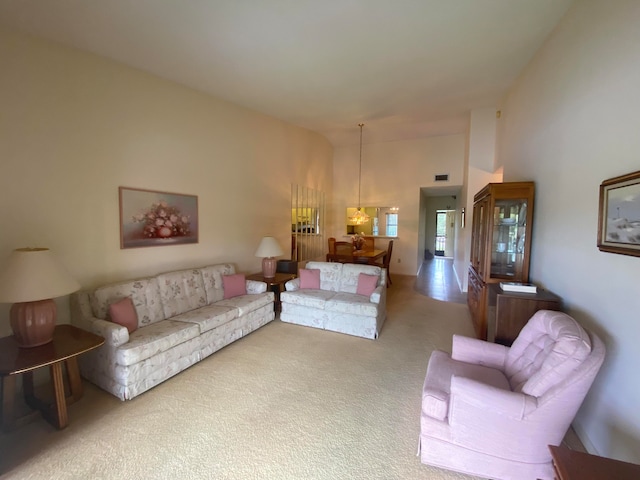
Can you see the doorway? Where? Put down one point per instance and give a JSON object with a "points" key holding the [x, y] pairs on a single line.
{"points": [[432, 200], [445, 230]]}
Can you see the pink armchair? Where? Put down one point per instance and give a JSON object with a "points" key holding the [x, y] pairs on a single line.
{"points": [[491, 411]]}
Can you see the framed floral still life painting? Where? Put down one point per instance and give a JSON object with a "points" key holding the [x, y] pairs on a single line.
{"points": [[150, 218], [619, 216]]}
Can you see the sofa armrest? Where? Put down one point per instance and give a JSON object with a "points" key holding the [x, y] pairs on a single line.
{"points": [[479, 352], [292, 285], [114, 334], [254, 286], [82, 316], [376, 295]]}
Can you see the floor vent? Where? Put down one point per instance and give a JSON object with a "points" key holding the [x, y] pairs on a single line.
{"points": [[442, 178]]}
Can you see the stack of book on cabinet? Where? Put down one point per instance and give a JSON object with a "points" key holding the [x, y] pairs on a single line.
{"points": [[518, 287]]}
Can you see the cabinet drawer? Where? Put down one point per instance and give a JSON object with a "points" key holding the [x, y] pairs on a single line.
{"points": [[473, 293]]}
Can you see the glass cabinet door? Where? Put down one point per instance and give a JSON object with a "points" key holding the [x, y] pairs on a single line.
{"points": [[508, 237]]}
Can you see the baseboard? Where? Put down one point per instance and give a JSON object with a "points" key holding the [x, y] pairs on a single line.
{"points": [[573, 442], [583, 438]]}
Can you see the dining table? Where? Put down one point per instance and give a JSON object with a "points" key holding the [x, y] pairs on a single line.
{"points": [[359, 256]]}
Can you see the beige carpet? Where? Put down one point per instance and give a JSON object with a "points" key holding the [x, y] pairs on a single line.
{"points": [[285, 402]]}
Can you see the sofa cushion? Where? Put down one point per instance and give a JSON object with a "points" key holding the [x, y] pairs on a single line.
{"points": [[153, 339], [212, 276], [209, 317], [301, 315], [124, 313], [330, 274], [181, 291], [234, 285], [159, 364], [247, 303], [307, 298], [309, 278], [351, 303], [351, 273], [144, 292], [367, 284]]}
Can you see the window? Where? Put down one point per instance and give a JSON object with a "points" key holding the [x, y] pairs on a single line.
{"points": [[392, 224]]}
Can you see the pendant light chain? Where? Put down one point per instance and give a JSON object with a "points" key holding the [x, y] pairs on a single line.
{"points": [[359, 217], [360, 171]]}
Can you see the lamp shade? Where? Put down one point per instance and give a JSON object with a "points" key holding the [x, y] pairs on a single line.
{"points": [[32, 274], [269, 247]]}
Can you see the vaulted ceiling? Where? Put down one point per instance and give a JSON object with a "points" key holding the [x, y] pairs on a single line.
{"points": [[406, 68]]}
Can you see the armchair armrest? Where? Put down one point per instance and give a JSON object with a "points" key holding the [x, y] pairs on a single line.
{"points": [[292, 285], [505, 422], [487, 399], [479, 352], [254, 286]]}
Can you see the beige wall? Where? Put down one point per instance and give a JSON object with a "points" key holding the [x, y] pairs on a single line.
{"points": [[392, 175], [480, 169], [74, 127], [570, 122]]}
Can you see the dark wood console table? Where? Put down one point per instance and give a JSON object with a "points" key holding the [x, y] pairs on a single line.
{"points": [[508, 312], [275, 284], [573, 465]]}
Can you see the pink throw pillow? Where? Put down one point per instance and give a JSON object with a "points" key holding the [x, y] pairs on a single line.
{"points": [[124, 313], [309, 278], [366, 284], [234, 285]]}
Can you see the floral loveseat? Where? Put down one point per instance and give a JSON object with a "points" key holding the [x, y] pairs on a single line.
{"points": [[335, 305], [182, 317]]}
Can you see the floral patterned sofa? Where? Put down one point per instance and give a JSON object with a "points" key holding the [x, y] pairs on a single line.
{"points": [[182, 317], [335, 305]]}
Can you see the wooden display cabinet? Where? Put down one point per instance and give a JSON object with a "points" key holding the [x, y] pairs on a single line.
{"points": [[500, 243]]}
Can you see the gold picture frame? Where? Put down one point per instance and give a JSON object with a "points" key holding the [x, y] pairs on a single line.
{"points": [[151, 218], [619, 215]]}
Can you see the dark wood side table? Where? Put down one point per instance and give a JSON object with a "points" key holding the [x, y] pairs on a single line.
{"points": [[572, 465], [275, 284], [68, 343], [508, 312]]}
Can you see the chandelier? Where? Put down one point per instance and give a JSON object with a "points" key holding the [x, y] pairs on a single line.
{"points": [[359, 217]]}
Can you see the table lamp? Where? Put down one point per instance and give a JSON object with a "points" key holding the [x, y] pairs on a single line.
{"points": [[30, 279], [268, 249]]}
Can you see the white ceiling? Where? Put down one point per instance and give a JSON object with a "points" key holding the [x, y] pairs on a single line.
{"points": [[406, 68]]}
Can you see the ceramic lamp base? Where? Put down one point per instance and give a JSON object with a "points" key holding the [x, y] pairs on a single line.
{"points": [[33, 323], [269, 265]]}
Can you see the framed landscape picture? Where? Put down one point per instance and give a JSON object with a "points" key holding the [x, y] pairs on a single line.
{"points": [[619, 215], [150, 218]]}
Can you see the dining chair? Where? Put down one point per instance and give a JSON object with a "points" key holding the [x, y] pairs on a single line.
{"points": [[369, 244], [344, 248], [386, 261], [343, 253], [332, 245]]}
